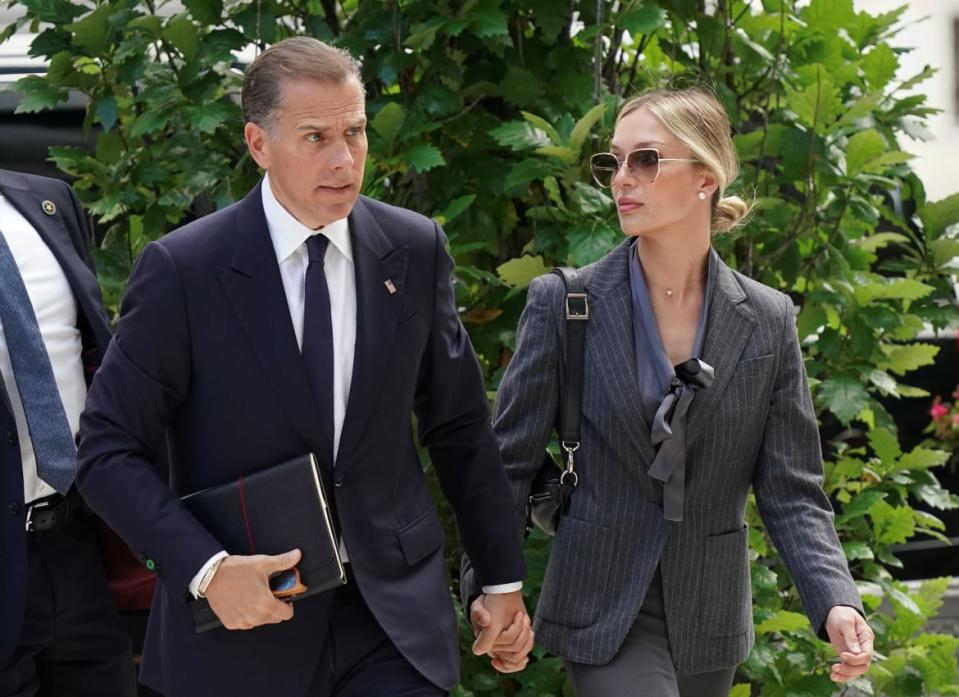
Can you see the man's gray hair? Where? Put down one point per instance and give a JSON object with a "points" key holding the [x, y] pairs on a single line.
{"points": [[297, 57]]}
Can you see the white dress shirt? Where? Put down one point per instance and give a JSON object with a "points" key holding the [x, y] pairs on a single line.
{"points": [[56, 312], [289, 238]]}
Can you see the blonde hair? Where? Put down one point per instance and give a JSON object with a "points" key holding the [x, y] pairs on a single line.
{"points": [[700, 122]]}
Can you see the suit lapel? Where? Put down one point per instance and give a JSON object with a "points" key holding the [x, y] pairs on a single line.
{"points": [[728, 328], [376, 261], [83, 282], [610, 333], [253, 285]]}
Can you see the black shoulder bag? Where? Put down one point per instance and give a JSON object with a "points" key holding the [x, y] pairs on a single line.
{"points": [[553, 484]]}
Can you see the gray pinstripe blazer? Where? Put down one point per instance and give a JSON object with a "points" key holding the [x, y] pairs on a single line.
{"points": [[753, 428]]}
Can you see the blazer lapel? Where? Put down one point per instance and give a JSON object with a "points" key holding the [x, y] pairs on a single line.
{"points": [[610, 340], [728, 328], [376, 261], [253, 285], [83, 282]]}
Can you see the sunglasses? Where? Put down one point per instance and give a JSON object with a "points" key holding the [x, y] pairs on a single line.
{"points": [[642, 164]]}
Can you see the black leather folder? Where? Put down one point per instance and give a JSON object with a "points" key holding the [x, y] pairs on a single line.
{"points": [[272, 511]]}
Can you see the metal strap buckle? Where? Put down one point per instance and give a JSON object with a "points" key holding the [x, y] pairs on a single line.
{"points": [[581, 314], [40, 507]]}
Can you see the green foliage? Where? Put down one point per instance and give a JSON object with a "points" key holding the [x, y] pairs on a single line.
{"points": [[483, 113]]}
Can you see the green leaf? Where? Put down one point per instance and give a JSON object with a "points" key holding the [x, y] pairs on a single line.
{"points": [[944, 250], [923, 458], [563, 153], [861, 148], [901, 359], [37, 94], [207, 117], [519, 273], [487, 21], [817, 103], [844, 396], [424, 157], [519, 135], [107, 112], [528, 170], [892, 525], [857, 551], [879, 66], [860, 505], [181, 32], [388, 121], [644, 19], [592, 200], [205, 11], [885, 445], [456, 206], [895, 289], [544, 125], [743, 689], [150, 122], [875, 242], [938, 215], [91, 32], [582, 128], [783, 621], [812, 316]]}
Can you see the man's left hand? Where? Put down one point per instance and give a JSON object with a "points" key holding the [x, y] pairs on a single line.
{"points": [[852, 638], [503, 630]]}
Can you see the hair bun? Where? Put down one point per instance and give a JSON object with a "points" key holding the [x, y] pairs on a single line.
{"points": [[728, 213]]}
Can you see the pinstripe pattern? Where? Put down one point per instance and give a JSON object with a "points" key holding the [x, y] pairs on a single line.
{"points": [[755, 427]]}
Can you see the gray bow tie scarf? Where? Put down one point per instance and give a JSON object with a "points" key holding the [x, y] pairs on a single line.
{"points": [[669, 433]]}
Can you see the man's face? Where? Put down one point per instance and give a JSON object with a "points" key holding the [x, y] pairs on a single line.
{"points": [[314, 149]]}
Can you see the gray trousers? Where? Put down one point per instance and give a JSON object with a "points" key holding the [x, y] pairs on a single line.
{"points": [[643, 666]]}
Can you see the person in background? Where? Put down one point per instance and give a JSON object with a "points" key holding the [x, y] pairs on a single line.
{"points": [[60, 633]]}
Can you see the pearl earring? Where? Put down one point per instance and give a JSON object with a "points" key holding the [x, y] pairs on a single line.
{"points": [[702, 195]]}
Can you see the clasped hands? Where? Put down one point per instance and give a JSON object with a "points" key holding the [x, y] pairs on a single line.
{"points": [[503, 630]]}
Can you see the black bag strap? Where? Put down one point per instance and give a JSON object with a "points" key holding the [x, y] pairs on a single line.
{"points": [[571, 398]]}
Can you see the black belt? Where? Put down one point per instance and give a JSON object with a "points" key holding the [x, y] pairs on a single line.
{"points": [[52, 512]]}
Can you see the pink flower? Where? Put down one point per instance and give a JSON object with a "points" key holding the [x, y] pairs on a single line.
{"points": [[938, 410]]}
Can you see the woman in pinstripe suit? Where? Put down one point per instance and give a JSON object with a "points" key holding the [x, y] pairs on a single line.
{"points": [[647, 591]]}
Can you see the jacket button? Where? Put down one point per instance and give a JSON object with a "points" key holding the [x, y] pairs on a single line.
{"points": [[338, 482], [12, 437], [14, 508]]}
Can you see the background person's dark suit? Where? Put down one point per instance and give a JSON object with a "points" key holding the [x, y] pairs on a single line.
{"points": [[205, 345], [56, 615]]}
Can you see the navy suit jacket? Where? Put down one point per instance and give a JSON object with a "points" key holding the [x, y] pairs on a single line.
{"points": [[205, 351], [67, 235]]}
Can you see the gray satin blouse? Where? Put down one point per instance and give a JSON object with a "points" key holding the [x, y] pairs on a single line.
{"points": [[667, 391]]}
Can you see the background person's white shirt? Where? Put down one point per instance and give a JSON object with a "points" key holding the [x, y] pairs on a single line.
{"points": [[56, 312]]}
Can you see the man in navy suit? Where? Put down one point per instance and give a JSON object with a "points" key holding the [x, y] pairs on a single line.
{"points": [[304, 318], [59, 629]]}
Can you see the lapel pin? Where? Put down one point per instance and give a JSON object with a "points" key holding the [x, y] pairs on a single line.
{"points": [[49, 207], [389, 286]]}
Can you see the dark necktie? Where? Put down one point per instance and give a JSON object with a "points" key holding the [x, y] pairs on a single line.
{"points": [[318, 339], [53, 444]]}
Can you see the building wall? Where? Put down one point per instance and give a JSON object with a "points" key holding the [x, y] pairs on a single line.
{"points": [[931, 32]]}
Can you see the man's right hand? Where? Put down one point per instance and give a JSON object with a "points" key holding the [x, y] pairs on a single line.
{"points": [[240, 593]]}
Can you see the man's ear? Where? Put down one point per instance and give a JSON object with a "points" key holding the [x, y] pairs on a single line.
{"points": [[258, 142]]}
